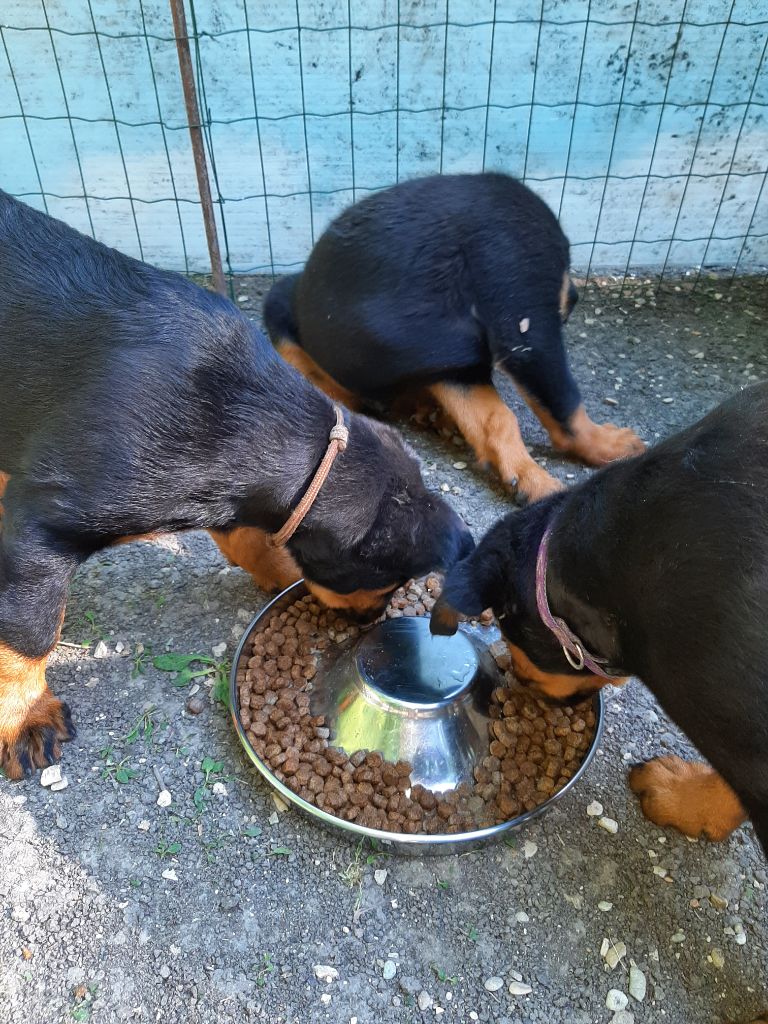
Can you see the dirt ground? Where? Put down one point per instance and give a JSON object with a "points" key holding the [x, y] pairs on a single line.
{"points": [[218, 907]]}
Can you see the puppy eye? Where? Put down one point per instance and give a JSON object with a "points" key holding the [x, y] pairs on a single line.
{"points": [[525, 323]]}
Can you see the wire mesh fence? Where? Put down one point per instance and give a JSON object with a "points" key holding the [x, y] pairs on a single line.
{"points": [[643, 123]]}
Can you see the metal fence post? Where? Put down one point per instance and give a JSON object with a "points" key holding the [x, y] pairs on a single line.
{"points": [[196, 137]]}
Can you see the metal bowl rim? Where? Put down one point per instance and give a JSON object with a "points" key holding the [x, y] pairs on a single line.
{"points": [[421, 839]]}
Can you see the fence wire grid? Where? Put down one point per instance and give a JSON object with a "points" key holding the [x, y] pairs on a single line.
{"points": [[643, 123]]}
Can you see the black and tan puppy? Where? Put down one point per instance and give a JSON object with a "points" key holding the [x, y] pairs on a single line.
{"points": [[658, 568], [431, 285], [135, 402]]}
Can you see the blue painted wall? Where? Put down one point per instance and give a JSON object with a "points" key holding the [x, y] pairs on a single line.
{"points": [[642, 122]]}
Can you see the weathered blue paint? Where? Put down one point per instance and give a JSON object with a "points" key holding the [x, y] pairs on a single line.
{"points": [[644, 162]]}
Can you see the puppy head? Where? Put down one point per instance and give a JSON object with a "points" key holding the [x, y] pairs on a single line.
{"points": [[500, 574], [408, 532]]}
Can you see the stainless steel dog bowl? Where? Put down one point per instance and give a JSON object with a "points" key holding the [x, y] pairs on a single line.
{"points": [[413, 697]]}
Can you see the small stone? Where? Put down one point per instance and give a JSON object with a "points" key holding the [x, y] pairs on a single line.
{"points": [[61, 784], [616, 1000], [459, 465], [678, 937], [605, 906], [143, 825], [171, 875], [326, 973], [595, 809], [195, 705], [164, 799], [519, 988], [390, 970], [660, 871], [165, 971], [615, 954], [219, 789], [637, 982], [718, 902], [380, 876], [101, 650], [667, 401], [119, 647], [609, 824], [325, 998], [521, 917], [20, 914], [716, 958], [425, 1000], [218, 649], [274, 818], [623, 1017], [610, 401], [50, 775], [530, 849], [493, 984], [741, 938]]}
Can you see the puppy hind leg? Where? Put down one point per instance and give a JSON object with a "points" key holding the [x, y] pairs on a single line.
{"points": [[491, 428]]}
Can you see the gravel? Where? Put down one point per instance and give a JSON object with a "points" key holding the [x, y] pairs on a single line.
{"points": [[263, 896]]}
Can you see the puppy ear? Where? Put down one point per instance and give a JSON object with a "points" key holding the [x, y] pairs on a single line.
{"points": [[470, 587]]}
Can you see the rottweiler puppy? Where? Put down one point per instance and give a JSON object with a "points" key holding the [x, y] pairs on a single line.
{"points": [[656, 567], [135, 402], [431, 285]]}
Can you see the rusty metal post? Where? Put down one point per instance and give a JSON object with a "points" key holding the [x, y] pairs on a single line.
{"points": [[196, 136]]}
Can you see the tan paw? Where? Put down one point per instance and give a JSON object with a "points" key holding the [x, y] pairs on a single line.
{"points": [[690, 797], [533, 484]]}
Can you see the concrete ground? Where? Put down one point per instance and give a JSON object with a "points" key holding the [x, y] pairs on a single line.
{"points": [[218, 907]]}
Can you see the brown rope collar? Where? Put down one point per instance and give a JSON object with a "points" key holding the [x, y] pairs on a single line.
{"points": [[337, 442]]}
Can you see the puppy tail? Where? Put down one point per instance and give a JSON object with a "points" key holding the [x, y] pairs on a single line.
{"points": [[279, 318]]}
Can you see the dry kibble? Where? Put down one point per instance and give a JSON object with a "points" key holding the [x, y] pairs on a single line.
{"points": [[534, 749]]}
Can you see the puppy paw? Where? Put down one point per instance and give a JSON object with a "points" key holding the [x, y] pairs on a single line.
{"points": [[33, 740], [533, 484], [605, 442], [690, 797]]}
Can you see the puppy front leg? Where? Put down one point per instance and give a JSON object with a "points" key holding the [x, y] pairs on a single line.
{"points": [[246, 547]]}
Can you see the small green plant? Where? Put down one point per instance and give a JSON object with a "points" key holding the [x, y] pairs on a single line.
{"points": [[263, 970], [212, 772], [443, 885], [135, 883], [353, 873], [93, 630], [164, 849], [116, 770], [443, 976], [280, 851], [141, 657], [144, 727], [212, 847], [471, 933], [81, 1013], [252, 831]]}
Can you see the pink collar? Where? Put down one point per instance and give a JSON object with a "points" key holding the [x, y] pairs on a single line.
{"points": [[575, 652]]}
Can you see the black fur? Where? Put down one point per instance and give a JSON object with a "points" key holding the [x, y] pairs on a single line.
{"points": [[660, 564], [134, 401], [428, 281]]}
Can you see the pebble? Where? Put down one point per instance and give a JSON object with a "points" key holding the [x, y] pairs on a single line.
{"points": [[609, 824], [459, 465], [595, 809], [165, 799], [50, 775], [274, 818], [716, 958], [678, 937], [143, 825], [741, 938], [325, 998], [195, 705], [613, 952], [326, 973], [616, 1000], [20, 914], [101, 650], [493, 984], [380, 876], [610, 401], [605, 906], [519, 988], [171, 875], [219, 789], [667, 401], [529, 849], [718, 902], [218, 649], [61, 784], [425, 1000], [637, 982], [660, 871], [165, 971], [521, 917], [390, 970], [623, 1017]]}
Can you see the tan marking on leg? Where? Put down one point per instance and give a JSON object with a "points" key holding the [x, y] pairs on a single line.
{"points": [[4, 478], [30, 715], [360, 603], [563, 299], [593, 443], [315, 374], [245, 546], [552, 684], [689, 796], [133, 537], [491, 428]]}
